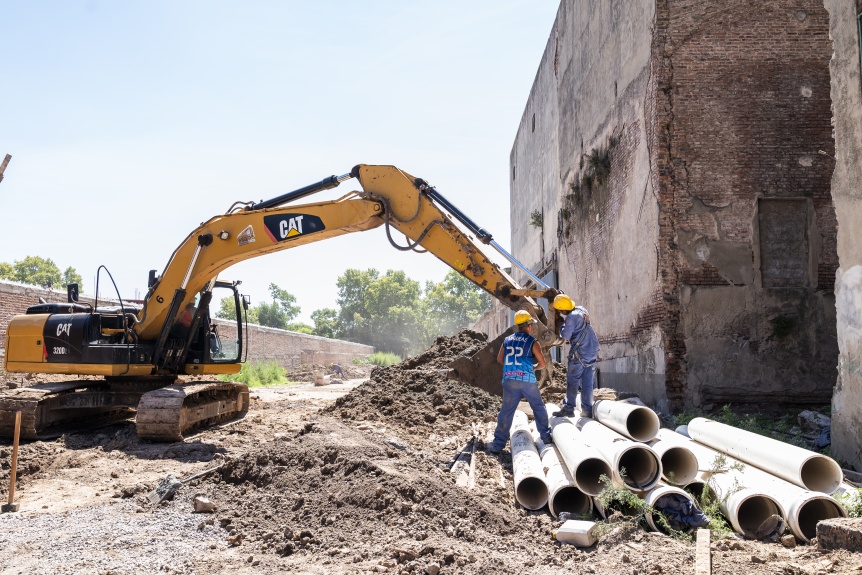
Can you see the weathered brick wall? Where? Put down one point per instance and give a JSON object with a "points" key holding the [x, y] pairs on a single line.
{"points": [[288, 348], [747, 224], [706, 255]]}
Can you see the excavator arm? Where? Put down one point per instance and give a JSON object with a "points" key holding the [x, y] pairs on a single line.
{"points": [[389, 197]]}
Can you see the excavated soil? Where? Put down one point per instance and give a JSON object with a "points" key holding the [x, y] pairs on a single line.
{"points": [[346, 478]]}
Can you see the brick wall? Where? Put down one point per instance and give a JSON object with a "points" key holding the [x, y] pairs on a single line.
{"points": [[699, 289], [285, 347], [742, 110]]}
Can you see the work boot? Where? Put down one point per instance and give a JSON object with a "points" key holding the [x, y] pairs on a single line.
{"points": [[565, 412], [548, 441]]}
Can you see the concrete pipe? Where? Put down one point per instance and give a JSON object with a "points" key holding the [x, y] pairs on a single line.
{"points": [[563, 493], [802, 467], [636, 422], [653, 499], [678, 463], [585, 463], [696, 487], [752, 509], [635, 465], [531, 491]]}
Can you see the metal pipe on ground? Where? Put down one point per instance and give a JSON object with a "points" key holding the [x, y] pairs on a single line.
{"points": [[801, 508], [635, 465], [531, 491], [637, 422], [799, 466], [585, 463], [678, 463], [751, 513]]}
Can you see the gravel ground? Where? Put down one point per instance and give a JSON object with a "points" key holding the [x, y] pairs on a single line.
{"points": [[349, 478]]}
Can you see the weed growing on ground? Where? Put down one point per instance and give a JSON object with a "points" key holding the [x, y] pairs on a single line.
{"points": [[772, 426], [383, 359], [258, 374], [852, 502]]}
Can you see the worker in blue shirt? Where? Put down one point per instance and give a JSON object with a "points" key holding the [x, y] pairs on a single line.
{"points": [[517, 355], [580, 369]]}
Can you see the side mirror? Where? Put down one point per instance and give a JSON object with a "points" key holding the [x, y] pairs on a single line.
{"points": [[246, 301], [151, 280], [72, 293]]}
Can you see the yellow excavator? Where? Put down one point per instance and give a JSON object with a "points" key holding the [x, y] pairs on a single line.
{"points": [[140, 350]]}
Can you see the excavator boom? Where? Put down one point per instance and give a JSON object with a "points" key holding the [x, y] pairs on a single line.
{"points": [[163, 338]]}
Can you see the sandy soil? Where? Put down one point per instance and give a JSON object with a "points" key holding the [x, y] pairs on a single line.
{"points": [[346, 478]]}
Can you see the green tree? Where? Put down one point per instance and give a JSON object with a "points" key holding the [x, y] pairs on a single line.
{"points": [[453, 304], [383, 311], [70, 276], [325, 322], [226, 309], [353, 313], [300, 327], [286, 301], [38, 271], [7, 271], [281, 312]]}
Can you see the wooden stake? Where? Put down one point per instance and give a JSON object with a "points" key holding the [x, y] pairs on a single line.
{"points": [[11, 505], [703, 559]]}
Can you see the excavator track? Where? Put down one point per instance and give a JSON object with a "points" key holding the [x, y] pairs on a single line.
{"points": [[168, 413], [49, 409]]}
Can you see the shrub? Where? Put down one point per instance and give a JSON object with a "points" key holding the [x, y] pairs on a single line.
{"points": [[258, 374], [383, 359]]}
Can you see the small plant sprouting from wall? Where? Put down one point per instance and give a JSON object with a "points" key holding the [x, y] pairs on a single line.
{"points": [[536, 219], [595, 174]]}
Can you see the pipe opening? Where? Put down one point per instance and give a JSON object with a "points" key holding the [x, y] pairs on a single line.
{"points": [[679, 465], [588, 475], [655, 519], [696, 488], [642, 424], [532, 493], [819, 473], [812, 512], [570, 500], [642, 468], [759, 517]]}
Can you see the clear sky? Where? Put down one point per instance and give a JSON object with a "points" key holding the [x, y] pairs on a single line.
{"points": [[130, 123]]}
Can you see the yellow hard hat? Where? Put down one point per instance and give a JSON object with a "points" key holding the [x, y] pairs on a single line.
{"points": [[563, 303], [523, 317]]}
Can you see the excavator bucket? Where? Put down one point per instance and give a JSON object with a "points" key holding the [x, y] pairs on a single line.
{"points": [[481, 369]]}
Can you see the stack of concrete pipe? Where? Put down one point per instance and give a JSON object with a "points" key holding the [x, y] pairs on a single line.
{"points": [[799, 481], [790, 487]]}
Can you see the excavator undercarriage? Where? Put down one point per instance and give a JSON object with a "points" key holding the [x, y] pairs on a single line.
{"points": [[162, 412]]}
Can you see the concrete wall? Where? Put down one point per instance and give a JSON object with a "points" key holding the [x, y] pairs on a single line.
{"points": [[265, 343], [847, 196], [707, 254], [592, 88]]}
